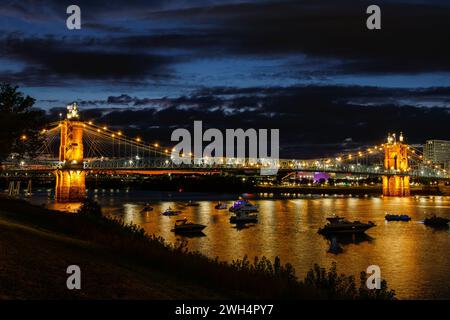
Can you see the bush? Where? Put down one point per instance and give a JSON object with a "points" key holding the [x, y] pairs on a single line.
{"points": [[90, 208], [344, 287]]}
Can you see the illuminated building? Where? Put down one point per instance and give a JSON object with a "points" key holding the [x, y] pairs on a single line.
{"points": [[437, 152]]}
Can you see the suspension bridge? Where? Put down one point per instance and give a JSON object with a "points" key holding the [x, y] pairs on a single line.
{"points": [[72, 148]]}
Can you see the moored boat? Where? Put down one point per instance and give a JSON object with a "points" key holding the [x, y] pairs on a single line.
{"points": [[437, 222], [147, 208], [220, 206], [170, 212], [241, 216], [192, 204], [243, 205], [338, 225], [183, 226], [397, 217]]}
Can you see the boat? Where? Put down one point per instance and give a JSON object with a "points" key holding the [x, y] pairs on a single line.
{"points": [[338, 225], [220, 206], [397, 217], [437, 222], [170, 212], [242, 216], [183, 226], [243, 205], [147, 208], [192, 204]]}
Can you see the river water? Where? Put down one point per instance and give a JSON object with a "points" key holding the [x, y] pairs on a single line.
{"points": [[414, 258]]}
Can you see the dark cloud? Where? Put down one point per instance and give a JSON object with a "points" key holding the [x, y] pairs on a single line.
{"points": [[47, 57], [412, 38]]}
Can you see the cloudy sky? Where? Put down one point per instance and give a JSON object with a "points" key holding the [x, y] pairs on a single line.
{"points": [[310, 68]]}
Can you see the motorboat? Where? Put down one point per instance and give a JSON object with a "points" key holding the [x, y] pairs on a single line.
{"points": [[183, 226], [170, 212], [338, 225], [243, 205], [397, 217], [147, 208], [220, 206], [192, 204], [242, 216], [437, 222]]}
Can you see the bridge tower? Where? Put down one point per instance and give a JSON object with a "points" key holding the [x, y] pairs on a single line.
{"points": [[396, 162], [70, 179]]}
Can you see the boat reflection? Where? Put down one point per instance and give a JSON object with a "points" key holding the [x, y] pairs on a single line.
{"points": [[337, 242], [243, 225], [191, 235]]}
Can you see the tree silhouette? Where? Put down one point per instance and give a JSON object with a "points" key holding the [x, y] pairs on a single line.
{"points": [[20, 124]]}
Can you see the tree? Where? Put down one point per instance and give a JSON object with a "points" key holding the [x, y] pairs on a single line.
{"points": [[20, 124]]}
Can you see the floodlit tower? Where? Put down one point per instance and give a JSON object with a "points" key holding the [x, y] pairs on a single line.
{"points": [[70, 180], [396, 163]]}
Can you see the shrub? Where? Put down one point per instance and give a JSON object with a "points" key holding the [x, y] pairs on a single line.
{"points": [[340, 286], [90, 208]]}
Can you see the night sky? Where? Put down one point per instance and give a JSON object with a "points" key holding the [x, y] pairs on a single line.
{"points": [[310, 68]]}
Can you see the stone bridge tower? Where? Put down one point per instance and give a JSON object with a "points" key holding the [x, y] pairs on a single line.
{"points": [[396, 163], [70, 179]]}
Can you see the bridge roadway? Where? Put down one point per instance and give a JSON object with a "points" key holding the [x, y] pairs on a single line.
{"points": [[158, 166]]}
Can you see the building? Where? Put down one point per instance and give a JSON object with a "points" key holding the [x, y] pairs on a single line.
{"points": [[437, 152]]}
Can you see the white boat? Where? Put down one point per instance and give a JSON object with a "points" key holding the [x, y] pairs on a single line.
{"points": [[241, 216], [244, 206]]}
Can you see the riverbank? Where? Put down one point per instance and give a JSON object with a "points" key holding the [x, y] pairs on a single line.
{"points": [[37, 249], [121, 262]]}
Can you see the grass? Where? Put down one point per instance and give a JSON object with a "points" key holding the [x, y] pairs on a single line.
{"points": [[243, 278]]}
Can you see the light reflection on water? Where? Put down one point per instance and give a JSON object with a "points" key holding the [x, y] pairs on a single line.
{"points": [[413, 258]]}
